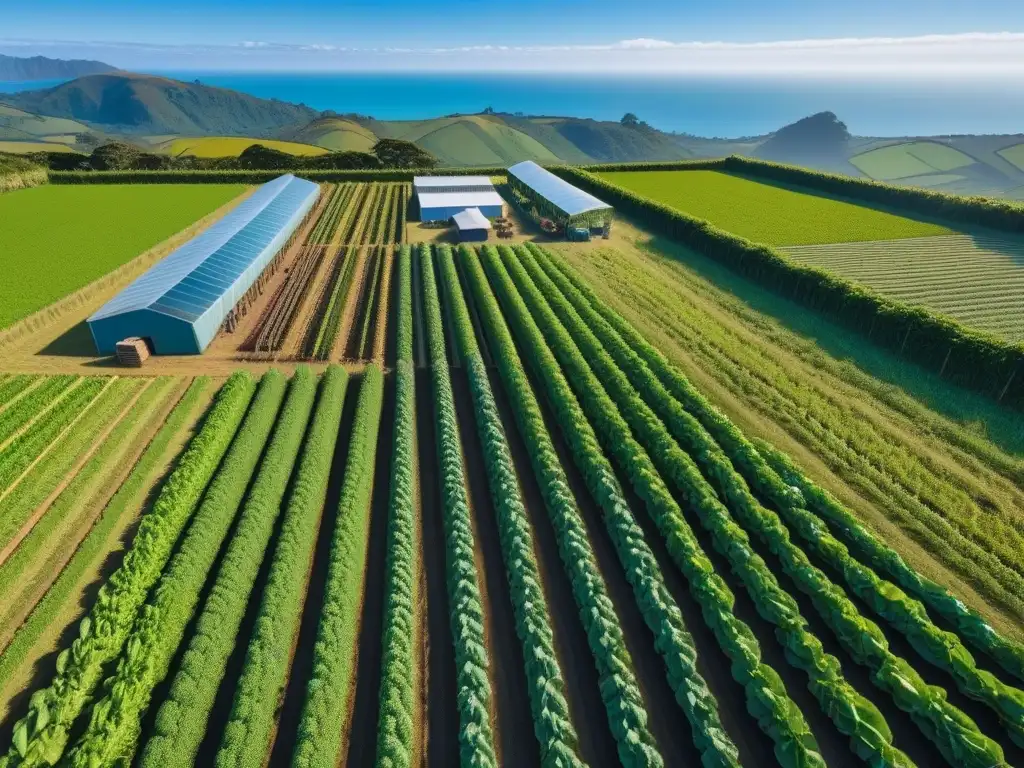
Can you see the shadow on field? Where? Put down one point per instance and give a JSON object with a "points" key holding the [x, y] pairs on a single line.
{"points": [[76, 341]]}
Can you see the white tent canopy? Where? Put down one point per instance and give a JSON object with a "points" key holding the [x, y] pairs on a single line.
{"points": [[471, 218]]}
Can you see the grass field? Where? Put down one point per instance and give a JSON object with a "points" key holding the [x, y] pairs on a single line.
{"points": [[917, 158], [24, 147], [1014, 154], [233, 146], [977, 280], [769, 214], [57, 239]]}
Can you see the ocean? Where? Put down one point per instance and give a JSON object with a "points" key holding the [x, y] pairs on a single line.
{"points": [[713, 107]]}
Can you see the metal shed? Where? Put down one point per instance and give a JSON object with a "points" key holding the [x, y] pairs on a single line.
{"points": [[179, 304], [473, 226], [557, 199], [439, 198]]}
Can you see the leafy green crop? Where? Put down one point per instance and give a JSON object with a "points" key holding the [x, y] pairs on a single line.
{"points": [[254, 711], [40, 737], [183, 716], [331, 684]]}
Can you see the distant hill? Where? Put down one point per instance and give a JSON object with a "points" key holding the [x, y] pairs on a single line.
{"points": [[143, 104], [42, 68], [819, 140]]}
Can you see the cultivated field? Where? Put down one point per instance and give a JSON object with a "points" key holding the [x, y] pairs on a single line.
{"points": [[57, 239], [978, 280], [529, 537], [769, 214], [1014, 154], [918, 158]]}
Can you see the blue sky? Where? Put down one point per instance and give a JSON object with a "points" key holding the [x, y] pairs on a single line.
{"points": [[571, 34]]}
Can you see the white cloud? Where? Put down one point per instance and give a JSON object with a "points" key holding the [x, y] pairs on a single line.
{"points": [[986, 54]]}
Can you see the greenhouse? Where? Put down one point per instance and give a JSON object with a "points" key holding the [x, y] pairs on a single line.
{"points": [[551, 197], [179, 304]]}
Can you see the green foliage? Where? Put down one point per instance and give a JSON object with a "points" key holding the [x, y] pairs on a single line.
{"points": [[552, 721], [257, 695], [94, 543], [765, 213], [400, 658], [12, 386], [114, 727], [476, 740], [55, 240], [41, 736], [26, 447], [997, 214], [18, 414], [18, 173], [396, 153], [956, 736], [181, 722], [777, 715], [968, 358], [332, 682], [260, 177], [120, 156]]}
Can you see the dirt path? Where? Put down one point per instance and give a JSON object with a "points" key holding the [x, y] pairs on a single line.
{"points": [[48, 501], [597, 744], [441, 715]]}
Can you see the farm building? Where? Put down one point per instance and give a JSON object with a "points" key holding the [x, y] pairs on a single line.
{"points": [[556, 199], [180, 303], [441, 197], [473, 226]]}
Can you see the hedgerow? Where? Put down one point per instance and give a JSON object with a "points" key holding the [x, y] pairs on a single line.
{"points": [[328, 693], [258, 693], [399, 659], [114, 727], [40, 737], [182, 719], [552, 722], [476, 739]]}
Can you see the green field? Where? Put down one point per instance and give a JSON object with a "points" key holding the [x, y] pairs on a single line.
{"points": [[769, 214], [233, 146], [976, 280], [24, 147], [901, 161], [55, 240], [1014, 154]]}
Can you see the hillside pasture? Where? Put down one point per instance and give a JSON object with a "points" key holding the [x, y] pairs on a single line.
{"points": [[233, 146], [976, 280], [1014, 154], [57, 239], [767, 213], [27, 147], [902, 161]]}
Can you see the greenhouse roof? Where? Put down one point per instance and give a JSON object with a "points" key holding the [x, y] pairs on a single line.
{"points": [[195, 276], [426, 182], [459, 199], [558, 191]]}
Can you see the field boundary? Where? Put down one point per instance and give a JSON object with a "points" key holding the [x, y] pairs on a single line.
{"points": [[46, 316]]}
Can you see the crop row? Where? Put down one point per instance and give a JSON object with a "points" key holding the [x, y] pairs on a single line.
{"points": [[774, 476], [183, 716], [113, 732], [660, 612], [268, 657], [40, 737], [849, 710], [323, 725], [29, 444], [476, 740], [31, 403], [950, 729], [13, 385], [399, 659], [777, 715], [552, 722]]}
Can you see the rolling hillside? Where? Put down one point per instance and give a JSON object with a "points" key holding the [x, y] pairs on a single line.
{"points": [[43, 68], [142, 104]]}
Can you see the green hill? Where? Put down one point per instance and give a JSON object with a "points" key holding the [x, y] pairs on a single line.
{"points": [[43, 68], [141, 104]]}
